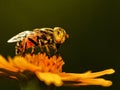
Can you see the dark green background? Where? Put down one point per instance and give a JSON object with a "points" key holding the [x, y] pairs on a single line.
{"points": [[93, 26]]}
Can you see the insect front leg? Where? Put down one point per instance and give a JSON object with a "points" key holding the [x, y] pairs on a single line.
{"points": [[47, 49], [55, 47]]}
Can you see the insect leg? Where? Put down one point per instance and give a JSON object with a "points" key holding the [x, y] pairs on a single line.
{"points": [[56, 47], [40, 45], [47, 49], [33, 49], [24, 48], [17, 51]]}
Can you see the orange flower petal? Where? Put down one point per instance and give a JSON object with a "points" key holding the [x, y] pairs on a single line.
{"points": [[87, 78], [50, 78], [6, 65], [49, 70], [22, 64]]}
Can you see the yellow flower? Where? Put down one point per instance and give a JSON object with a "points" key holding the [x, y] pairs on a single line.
{"points": [[49, 70]]}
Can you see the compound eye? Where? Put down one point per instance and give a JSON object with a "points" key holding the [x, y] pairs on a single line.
{"points": [[58, 32], [59, 35]]}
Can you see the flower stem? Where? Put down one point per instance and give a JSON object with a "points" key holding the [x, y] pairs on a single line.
{"points": [[35, 84]]}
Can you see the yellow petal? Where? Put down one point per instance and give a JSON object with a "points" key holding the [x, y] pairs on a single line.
{"points": [[4, 64], [50, 78], [96, 81], [22, 64], [89, 74], [87, 78]]}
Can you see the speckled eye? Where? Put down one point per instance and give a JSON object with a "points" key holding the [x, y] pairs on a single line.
{"points": [[59, 35]]}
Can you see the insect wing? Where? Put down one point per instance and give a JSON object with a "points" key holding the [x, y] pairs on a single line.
{"points": [[19, 37]]}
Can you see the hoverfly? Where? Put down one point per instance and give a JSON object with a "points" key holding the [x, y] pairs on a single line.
{"points": [[40, 37]]}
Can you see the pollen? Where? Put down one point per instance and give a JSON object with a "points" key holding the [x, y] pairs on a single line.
{"points": [[53, 64]]}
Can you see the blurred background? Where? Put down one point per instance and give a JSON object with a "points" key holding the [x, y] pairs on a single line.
{"points": [[93, 26]]}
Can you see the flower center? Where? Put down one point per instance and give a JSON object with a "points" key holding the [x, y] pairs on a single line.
{"points": [[53, 64]]}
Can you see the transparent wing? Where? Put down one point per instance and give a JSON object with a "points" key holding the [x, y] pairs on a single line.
{"points": [[19, 36]]}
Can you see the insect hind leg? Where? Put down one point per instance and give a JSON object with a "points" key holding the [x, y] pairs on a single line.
{"points": [[17, 48], [20, 49]]}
